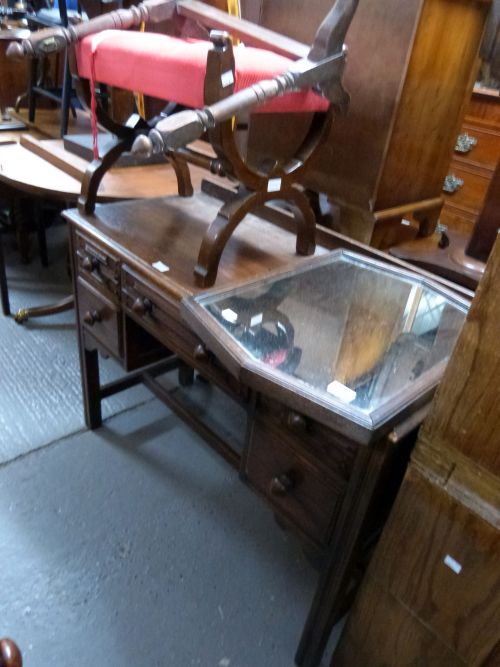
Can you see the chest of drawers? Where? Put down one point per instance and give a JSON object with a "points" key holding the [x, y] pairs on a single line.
{"points": [[475, 158]]}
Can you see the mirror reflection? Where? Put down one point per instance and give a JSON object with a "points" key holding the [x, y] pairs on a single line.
{"points": [[348, 328]]}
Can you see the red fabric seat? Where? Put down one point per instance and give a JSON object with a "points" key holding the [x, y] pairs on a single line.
{"points": [[174, 69]]}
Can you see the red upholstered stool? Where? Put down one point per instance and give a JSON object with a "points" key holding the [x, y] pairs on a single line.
{"points": [[174, 69], [197, 73]]}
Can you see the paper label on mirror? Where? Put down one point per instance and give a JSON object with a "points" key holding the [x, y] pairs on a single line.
{"points": [[341, 392], [229, 315], [256, 319]]}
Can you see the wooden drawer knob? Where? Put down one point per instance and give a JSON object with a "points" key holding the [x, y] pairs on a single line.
{"points": [[89, 263], [10, 655], [142, 306], [281, 485], [90, 318], [296, 422], [201, 353]]}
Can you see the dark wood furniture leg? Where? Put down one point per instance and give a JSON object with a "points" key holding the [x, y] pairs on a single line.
{"points": [[4, 289], [91, 389], [377, 469]]}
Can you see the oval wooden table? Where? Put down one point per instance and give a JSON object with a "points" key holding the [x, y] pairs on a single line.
{"points": [[45, 170]]}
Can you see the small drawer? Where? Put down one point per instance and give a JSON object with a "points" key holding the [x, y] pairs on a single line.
{"points": [[162, 319], [296, 487], [98, 267], [100, 317], [485, 152], [469, 196], [148, 307], [310, 439]]}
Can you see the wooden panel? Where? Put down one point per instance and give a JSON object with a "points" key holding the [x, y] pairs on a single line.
{"points": [[380, 39], [408, 642], [473, 430], [430, 112], [462, 608], [488, 224], [293, 18]]}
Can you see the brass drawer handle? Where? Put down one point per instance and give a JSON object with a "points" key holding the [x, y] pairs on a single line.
{"points": [[142, 306], [91, 317], [465, 143], [281, 485], [452, 183]]}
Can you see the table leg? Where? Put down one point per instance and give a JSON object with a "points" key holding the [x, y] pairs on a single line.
{"points": [[4, 289], [40, 232], [329, 600], [91, 387]]}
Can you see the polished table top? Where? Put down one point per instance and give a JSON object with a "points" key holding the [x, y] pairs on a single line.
{"points": [[26, 171]]}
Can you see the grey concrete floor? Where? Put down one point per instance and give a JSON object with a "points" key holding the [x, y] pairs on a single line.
{"points": [[134, 545]]}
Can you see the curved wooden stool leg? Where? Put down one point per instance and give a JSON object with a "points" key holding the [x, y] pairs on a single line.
{"points": [[233, 212], [10, 655], [95, 173]]}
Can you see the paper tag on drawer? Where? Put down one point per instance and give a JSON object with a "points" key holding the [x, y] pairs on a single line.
{"points": [[341, 392], [160, 266]]}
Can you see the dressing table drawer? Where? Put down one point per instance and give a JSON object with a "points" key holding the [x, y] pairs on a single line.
{"points": [[146, 306], [312, 440], [100, 317], [296, 487], [98, 267], [161, 318]]}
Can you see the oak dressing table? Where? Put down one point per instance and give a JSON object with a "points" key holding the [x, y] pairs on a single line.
{"points": [[333, 358]]}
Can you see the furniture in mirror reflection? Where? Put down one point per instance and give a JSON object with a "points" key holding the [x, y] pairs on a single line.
{"points": [[455, 255], [325, 428]]}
